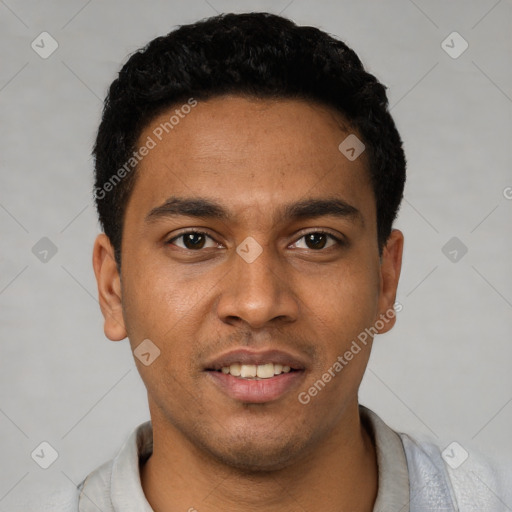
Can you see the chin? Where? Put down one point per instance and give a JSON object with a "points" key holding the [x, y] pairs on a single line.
{"points": [[258, 453], [260, 461]]}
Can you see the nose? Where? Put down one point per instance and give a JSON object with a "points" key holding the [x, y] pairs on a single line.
{"points": [[258, 292]]}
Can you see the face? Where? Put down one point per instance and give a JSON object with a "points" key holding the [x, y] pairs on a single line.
{"points": [[250, 239]]}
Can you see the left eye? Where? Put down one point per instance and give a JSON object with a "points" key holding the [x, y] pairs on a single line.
{"points": [[318, 239], [194, 240]]}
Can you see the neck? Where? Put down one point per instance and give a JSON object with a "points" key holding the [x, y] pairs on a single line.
{"points": [[340, 473]]}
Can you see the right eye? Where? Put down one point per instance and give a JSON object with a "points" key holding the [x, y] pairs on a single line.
{"points": [[192, 240]]}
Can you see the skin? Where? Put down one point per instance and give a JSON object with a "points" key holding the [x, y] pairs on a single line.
{"points": [[311, 298]]}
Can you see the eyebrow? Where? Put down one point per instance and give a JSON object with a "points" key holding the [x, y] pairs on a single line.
{"points": [[205, 208]]}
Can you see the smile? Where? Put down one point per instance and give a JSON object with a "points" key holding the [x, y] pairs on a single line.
{"points": [[255, 372]]}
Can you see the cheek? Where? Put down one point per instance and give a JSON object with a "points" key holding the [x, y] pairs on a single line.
{"points": [[348, 307], [342, 314], [157, 306], [156, 290], [347, 301], [156, 309]]}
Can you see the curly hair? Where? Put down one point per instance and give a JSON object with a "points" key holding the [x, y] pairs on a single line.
{"points": [[260, 55]]}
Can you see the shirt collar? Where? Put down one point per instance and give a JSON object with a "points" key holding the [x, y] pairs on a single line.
{"points": [[393, 494], [126, 489], [126, 493]]}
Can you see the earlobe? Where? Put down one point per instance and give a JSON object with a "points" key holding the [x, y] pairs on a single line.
{"points": [[109, 288], [390, 267]]}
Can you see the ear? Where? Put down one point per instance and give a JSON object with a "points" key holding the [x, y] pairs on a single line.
{"points": [[390, 266], [109, 288]]}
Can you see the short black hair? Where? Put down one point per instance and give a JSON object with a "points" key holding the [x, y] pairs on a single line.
{"points": [[259, 55]]}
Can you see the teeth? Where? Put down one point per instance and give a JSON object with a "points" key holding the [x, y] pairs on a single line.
{"points": [[248, 370], [264, 371], [252, 371], [235, 369]]}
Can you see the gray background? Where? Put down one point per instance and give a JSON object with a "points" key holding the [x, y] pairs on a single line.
{"points": [[443, 371]]}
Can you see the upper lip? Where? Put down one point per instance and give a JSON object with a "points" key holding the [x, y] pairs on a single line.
{"points": [[247, 356]]}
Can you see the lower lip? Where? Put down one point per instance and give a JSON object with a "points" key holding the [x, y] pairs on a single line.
{"points": [[256, 391]]}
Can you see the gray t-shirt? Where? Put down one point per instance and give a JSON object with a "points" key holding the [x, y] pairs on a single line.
{"points": [[116, 486], [413, 476]]}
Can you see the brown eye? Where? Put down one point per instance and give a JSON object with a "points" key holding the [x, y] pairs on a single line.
{"points": [[317, 240], [191, 240]]}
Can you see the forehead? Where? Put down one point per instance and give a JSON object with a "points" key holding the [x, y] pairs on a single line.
{"points": [[250, 154]]}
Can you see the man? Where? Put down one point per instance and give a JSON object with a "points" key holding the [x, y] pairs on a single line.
{"points": [[248, 174]]}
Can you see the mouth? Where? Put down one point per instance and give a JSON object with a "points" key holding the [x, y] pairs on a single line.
{"points": [[256, 377], [255, 372]]}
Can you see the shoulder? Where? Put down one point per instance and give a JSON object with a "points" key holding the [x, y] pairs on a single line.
{"points": [[94, 492], [91, 494], [461, 476], [63, 499]]}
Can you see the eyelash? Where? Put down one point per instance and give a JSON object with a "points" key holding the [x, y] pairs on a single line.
{"points": [[338, 240]]}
